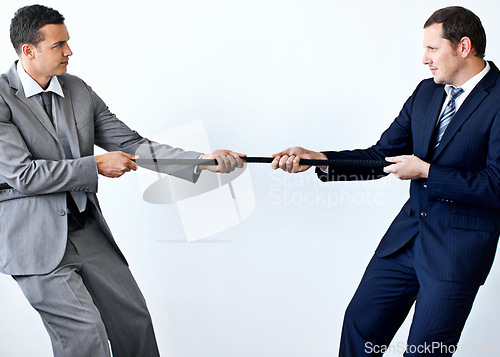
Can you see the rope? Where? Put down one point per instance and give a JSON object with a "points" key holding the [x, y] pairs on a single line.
{"points": [[331, 163]]}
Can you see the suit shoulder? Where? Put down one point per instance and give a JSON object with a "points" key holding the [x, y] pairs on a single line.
{"points": [[4, 81], [70, 79], [426, 90], [75, 85], [429, 85]]}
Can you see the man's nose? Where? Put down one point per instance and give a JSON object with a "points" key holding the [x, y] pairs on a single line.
{"points": [[67, 51], [426, 60]]}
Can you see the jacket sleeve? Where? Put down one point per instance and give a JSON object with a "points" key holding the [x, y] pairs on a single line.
{"points": [[396, 140], [112, 134]]}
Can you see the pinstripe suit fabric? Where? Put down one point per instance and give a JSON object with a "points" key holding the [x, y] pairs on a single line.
{"points": [[453, 216]]}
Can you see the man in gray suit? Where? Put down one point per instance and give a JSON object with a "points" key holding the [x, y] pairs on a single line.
{"points": [[53, 238]]}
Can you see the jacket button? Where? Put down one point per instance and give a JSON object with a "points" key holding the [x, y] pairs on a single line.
{"points": [[62, 212], [423, 214]]}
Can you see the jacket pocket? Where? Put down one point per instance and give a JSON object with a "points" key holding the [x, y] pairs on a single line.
{"points": [[472, 223], [81, 124]]}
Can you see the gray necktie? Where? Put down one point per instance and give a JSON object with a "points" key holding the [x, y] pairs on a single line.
{"points": [[448, 114], [47, 104], [78, 198]]}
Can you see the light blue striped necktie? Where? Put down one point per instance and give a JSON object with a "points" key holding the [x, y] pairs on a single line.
{"points": [[448, 114]]}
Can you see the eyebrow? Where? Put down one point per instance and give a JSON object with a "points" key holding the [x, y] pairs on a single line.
{"points": [[59, 43]]}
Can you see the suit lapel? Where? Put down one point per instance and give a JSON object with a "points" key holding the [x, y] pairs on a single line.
{"points": [[68, 117], [463, 113], [429, 122], [33, 103], [473, 100]]}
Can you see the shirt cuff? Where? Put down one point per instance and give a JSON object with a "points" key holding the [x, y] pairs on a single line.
{"points": [[196, 171]]}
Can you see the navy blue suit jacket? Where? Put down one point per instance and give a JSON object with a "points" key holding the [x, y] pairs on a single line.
{"points": [[456, 210]]}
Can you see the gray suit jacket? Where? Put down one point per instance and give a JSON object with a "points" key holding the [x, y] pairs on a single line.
{"points": [[33, 222]]}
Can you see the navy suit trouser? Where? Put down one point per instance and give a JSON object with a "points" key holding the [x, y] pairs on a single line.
{"points": [[386, 294]]}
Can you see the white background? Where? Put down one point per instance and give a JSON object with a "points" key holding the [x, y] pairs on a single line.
{"points": [[263, 75]]}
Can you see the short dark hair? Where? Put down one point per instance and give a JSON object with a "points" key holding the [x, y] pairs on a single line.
{"points": [[27, 22], [459, 22]]}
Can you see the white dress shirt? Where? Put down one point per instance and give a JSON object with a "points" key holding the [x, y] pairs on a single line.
{"points": [[468, 87]]}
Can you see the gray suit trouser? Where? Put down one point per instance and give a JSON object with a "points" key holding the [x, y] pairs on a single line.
{"points": [[89, 298]]}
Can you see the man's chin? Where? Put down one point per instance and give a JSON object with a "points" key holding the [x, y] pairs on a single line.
{"points": [[438, 80], [61, 71]]}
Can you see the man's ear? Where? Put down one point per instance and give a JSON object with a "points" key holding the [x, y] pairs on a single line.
{"points": [[465, 47], [28, 51]]}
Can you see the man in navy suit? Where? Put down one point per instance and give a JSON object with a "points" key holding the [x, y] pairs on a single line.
{"points": [[439, 249]]}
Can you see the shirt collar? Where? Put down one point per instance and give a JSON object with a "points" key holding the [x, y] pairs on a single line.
{"points": [[31, 87], [471, 83]]}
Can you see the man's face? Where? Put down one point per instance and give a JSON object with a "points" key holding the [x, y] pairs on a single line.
{"points": [[50, 57], [443, 59]]}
